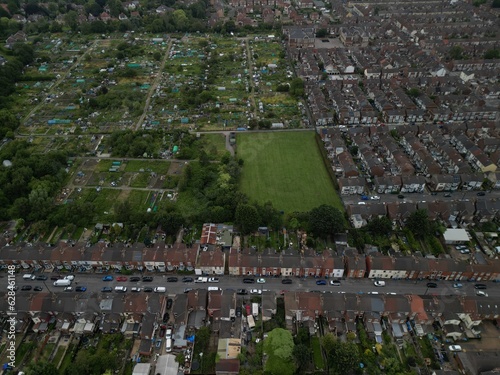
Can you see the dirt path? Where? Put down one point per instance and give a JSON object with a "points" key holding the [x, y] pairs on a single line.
{"points": [[153, 87]]}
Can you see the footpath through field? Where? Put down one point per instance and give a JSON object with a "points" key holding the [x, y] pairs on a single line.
{"points": [[153, 87]]}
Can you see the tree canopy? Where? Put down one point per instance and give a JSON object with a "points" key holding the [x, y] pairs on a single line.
{"points": [[419, 224], [341, 356], [325, 221], [279, 348]]}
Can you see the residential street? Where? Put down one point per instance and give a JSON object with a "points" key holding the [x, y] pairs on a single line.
{"points": [[94, 283]]}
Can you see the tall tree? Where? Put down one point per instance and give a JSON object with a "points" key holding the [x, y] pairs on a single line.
{"points": [[42, 368], [302, 354], [279, 349], [380, 226], [341, 357], [418, 223], [325, 220], [247, 218]]}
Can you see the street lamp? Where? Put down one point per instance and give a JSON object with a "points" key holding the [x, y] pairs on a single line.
{"points": [[53, 295]]}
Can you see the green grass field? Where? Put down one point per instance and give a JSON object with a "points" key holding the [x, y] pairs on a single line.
{"points": [[286, 169]]}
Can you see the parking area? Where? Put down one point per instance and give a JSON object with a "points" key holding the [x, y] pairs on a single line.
{"points": [[490, 339]]}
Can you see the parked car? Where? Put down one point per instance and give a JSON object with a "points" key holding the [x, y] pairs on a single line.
{"points": [[248, 280], [187, 279], [213, 279], [465, 251], [169, 303], [168, 334], [158, 344], [147, 279], [120, 289], [457, 285], [320, 282], [40, 288], [432, 285], [187, 290], [56, 277], [335, 282], [121, 278], [238, 311], [242, 292], [481, 194], [481, 293], [69, 277], [162, 331], [401, 196], [106, 289], [148, 289], [261, 281], [81, 289], [166, 317], [286, 281], [201, 279], [379, 283], [256, 291], [480, 286], [135, 289], [447, 195], [68, 289], [375, 198], [364, 197], [107, 278], [26, 287], [172, 279], [455, 348], [135, 279], [41, 277]]}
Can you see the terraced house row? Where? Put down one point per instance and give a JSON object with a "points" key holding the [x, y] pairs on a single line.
{"points": [[137, 314], [210, 259]]}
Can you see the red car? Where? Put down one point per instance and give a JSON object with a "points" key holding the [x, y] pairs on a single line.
{"points": [[121, 278]]}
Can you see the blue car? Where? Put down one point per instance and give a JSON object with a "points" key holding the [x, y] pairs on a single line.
{"points": [[320, 282], [107, 278]]}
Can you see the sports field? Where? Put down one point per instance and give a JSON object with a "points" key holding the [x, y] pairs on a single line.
{"points": [[286, 169]]}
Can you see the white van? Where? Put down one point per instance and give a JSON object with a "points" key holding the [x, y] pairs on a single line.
{"points": [[213, 288], [29, 276], [160, 289], [62, 282], [168, 346], [120, 289]]}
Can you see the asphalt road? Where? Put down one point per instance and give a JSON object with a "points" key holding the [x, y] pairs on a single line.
{"points": [[423, 197], [94, 283]]}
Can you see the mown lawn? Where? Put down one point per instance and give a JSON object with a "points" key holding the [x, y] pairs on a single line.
{"points": [[285, 168], [59, 354], [214, 145], [319, 364], [157, 166]]}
